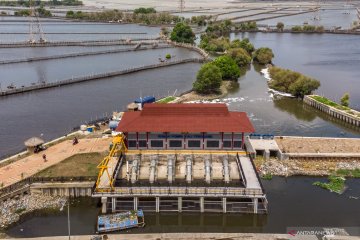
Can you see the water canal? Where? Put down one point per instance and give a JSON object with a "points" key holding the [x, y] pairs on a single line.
{"points": [[51, 113], [294, 202]]}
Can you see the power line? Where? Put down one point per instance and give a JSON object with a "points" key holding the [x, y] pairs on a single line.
{"points": [[36, 33]]}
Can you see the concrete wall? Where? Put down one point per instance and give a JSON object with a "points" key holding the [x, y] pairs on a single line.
{"points": [[333, 112], [71, 189]]}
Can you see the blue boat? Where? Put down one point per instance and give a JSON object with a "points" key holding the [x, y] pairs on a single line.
{"points": [[120, 221]]}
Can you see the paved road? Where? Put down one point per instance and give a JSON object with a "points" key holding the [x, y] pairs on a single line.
{"points": [[34, 163]]}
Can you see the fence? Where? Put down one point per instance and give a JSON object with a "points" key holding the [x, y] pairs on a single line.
{"points": [[82, 43], [79, 54], [28, 181]]}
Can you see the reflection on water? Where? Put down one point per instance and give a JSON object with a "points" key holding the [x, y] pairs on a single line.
{"points": [[282, 116], [295, 107]]}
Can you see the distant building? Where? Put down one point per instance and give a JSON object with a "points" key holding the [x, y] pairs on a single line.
{"points": [[185, 126]]}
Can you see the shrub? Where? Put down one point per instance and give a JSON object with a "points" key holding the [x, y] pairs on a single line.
{"points": [[263, 55], [182, 33], [144, 10], [345, 100], [245, 44], [292, 82], [280, 26], [241, 56], [228, 68], [168, 56], [208, 79], [296, 29], [214, 44]]}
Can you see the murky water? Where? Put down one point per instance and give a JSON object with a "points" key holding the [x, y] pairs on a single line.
{"points": [[53, 70], [53, 112], [332, 59], [292, 202], [329, 18]]}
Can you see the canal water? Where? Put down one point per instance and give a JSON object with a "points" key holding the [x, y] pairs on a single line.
{"points": [[293, 202], [53, 112], [329, 18], [333, 59]]}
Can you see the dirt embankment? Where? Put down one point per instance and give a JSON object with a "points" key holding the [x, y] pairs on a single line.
{"points": [[318, 145], [193, 96]]}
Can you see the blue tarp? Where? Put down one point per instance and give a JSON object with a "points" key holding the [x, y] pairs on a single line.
{"points": [[147, 99]]}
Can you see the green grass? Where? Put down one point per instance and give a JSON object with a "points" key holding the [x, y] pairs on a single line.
{"points": [[349, 173], [330, 103], [267, 176], [80, 165], [167, 99], [336, 184]]}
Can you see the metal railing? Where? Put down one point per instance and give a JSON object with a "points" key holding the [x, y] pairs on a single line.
{"points": [[241, 170], [182, 191]]}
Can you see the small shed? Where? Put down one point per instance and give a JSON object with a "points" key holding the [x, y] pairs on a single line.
{"points": [[132, 107], [32, 143]]}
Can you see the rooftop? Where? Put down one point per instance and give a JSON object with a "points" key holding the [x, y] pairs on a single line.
{"points": [[185, 118]]}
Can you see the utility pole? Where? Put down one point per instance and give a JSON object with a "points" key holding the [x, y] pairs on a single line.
{"points": [[69, 217], [182, 5], [35, 29]]}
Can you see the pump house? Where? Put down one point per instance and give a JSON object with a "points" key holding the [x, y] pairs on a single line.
{"points": [[185, 126]]}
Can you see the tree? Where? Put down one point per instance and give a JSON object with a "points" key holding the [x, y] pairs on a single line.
{"points": [[241, 56], [182, 33], [280, 26], [208, 79], [228, 67], [70, 14], [245, 44], [345, 100], [303, 86], [263, 55], [288, 81]]}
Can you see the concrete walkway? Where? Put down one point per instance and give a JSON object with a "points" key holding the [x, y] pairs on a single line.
{"points": [[34, 163], [199, 236]]}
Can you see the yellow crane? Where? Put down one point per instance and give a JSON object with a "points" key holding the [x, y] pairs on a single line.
{"points": [[105, 180]]}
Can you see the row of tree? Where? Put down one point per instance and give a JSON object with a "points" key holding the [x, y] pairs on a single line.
{"points": [[41, 11], [128, 17], [25, 3], [236, 54]]}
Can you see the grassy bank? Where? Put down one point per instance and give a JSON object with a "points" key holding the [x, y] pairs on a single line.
{"points": [[328, 102], [83, 165], [166, 99], [336, 184], [333, 104]]}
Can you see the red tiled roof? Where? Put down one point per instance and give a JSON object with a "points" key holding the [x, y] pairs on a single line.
{"points": [[185, 118]]}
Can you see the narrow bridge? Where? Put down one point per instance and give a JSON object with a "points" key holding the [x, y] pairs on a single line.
{"points": [[81, 54], [97, 76], [146, 40]]}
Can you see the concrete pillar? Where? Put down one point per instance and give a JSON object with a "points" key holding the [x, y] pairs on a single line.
{"points": [[103, 206], [113, 204], [157, 200], [136, 201], [179, 204], [255, 200], [267, 154], [224, 205], [202, 204]]}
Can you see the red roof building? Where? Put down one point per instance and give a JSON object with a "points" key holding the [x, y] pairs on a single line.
{"points": [[189, 126]]}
